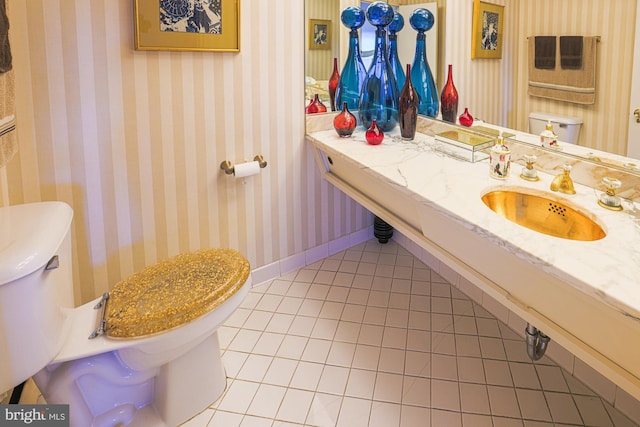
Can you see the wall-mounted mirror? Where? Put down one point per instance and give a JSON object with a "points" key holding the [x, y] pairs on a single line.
{"points": [[502, 96]]}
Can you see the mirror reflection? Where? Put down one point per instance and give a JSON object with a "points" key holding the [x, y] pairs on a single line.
{"points": [[319, 63], [495, 90]]}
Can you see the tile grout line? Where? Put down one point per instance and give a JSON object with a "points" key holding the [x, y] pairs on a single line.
{"points": [[387, 288]]}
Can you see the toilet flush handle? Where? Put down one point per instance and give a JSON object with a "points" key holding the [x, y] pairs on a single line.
{"points": [[53, 263]]}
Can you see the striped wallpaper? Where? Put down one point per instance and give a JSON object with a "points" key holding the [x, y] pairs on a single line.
{"points": [[133, 140]]}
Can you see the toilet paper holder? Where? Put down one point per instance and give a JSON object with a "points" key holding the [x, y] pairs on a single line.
{"points": [[227, 166]]}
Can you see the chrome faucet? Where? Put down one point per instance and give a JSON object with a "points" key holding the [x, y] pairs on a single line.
{"points": [[563, 182]]}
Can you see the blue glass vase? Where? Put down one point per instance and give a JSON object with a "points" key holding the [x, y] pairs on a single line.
{"points": [[353, 71], [379, 97], [394, 28], [422, 20]]}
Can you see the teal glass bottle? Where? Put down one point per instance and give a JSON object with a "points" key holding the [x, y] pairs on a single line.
{"points": [[422, 20], [397, 24], [379, 97], [353, 71]]}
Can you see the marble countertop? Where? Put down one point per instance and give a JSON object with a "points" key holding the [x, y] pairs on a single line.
{"points": [[607, 269]]}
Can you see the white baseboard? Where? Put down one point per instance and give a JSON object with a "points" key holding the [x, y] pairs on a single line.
{"points": [[286, 265]]}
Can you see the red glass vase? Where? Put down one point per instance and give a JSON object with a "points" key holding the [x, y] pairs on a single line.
{"points": [[374, 134], [315, 106], [408, 108], [449, 99], [466, 119], [333, 84], [345, 122]]}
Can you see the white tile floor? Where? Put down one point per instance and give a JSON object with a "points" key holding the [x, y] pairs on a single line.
{"points": [[372, 337]]}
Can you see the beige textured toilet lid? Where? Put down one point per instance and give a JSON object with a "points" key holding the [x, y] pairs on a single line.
{"points": [[174, 292]]}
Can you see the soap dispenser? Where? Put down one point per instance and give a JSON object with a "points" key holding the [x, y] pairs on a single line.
{"points": [[548, 138], [500, 159]]}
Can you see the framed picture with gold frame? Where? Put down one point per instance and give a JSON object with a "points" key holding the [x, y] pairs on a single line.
{"points": [[488, 20], [319, 34], [204, 25]]}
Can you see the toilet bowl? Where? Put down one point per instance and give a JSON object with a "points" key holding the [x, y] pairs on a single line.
{"points": [[153, 358]]}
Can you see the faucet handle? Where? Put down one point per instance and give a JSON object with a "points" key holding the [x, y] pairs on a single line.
{"points": [[612, 185], [528, 172], [608, 199], [567, 168]]}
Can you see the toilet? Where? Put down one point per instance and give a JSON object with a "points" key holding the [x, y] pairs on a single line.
{"points": [[144, 354], [567, 128]]}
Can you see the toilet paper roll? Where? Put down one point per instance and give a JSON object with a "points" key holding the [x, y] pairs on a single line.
{"points": [[246, 169]]}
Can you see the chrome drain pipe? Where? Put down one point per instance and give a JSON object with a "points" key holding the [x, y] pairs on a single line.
{"points": [[536, 342]]}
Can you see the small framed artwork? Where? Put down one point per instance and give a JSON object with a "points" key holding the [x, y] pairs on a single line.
{"points": [[319, 34], [197, 25], [488, 20]]}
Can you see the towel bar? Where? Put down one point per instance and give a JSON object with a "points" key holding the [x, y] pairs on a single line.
{"points": [[596, 37]]}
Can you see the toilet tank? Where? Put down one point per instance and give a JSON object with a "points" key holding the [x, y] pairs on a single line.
{"points": [[567, 128], [35, 295]]}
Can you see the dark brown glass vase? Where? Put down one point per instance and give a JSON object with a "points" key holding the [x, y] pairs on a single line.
{"points": [[408, 108]]}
